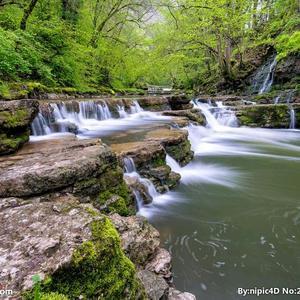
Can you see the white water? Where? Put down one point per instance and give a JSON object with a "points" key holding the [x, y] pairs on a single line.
{"points": [[221, 138], [131, 173], [263, 79], [90, 119], [293, 118]]}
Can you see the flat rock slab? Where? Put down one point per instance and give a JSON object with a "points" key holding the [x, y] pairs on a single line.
{"points": [[40, 238], [51, 165]]}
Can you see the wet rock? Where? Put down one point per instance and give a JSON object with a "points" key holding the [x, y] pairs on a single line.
{"points": [[155, 286], [64, 239], [267, 116], [139, 239], [175, 142], [154, 103], [179, 102], [160, 263], [177, 295], [86, 168], [15, 119], [287, 69], [193, 115]]}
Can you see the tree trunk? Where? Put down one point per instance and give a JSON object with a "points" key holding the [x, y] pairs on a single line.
{"points": [[27, 13]]}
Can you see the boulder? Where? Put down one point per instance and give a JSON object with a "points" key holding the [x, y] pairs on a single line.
{"points": [[15, 119], [175, 142], [139, 239], [179, 102], [63, 240], [160, 263], [194, 115], [155, 286], [177, 295], [154, 103], [266, 116]]}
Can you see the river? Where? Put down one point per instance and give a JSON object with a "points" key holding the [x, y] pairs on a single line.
{"points": [[234, 221]]}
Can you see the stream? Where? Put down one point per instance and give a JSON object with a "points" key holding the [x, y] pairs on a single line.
{"points": [[234, 220]]}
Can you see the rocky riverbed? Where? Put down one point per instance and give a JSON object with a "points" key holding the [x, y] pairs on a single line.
{"points": [[68, 216]]}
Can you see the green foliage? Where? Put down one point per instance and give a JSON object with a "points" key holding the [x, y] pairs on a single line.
{"points": [[96, 48], [288, 44]]}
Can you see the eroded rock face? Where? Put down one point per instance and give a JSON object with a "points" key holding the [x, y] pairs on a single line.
{"points": [[15, 119], [177, 295], [287, 69], [64, 239]]}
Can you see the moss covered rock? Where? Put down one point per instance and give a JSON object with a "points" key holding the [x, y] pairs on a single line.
{"points": [[267, 116], [73, 250], [15, 119]]}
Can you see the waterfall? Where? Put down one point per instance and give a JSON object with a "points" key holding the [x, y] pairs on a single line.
{"points": [[67, 117], [135, 107], [293, 118], [40, 126], [217, 117], [263, 78], [133, 178], [121, 111]]}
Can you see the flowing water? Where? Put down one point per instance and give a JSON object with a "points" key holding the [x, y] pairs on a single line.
{"points": [[234, 221], [263, 79], [89, 119]]}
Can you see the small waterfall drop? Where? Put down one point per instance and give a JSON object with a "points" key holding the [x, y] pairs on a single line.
{"points": [[121, 111], [217, 117], [67, 117], [292, 118], [135, 107], [40, 126], [133, 178], [264, 76]]}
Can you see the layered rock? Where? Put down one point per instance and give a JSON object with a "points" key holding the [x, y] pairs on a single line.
{"points": [[15, 119], [154, 103], [56, 244], [175, 142], [179, 102], [86, 168], [192, 115], [150, 160]]}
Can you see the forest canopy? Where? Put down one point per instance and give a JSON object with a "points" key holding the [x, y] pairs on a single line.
{"points": [[99, 45]]}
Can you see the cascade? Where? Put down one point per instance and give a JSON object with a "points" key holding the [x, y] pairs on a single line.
{"points": [[131, 173], [40, 126], [217, 117], [135, 107], [121, 111], [263, 78]]}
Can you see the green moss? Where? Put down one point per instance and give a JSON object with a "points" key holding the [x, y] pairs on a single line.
{"points": [[10, 143], [124, 204], [271, 116], [99, 269], [181, 153], [15, 119], [53, 296]]}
